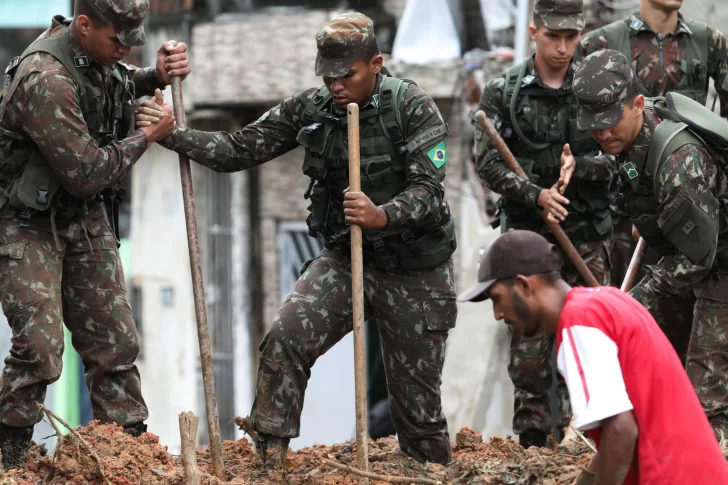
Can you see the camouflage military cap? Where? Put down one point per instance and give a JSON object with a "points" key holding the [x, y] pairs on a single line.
{"points": [[126, 16], [560, 14], [340, 41], [601, 85]]}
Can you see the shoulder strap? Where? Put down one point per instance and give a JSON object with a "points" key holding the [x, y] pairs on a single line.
{"points": [[700, 39], [57, 46], [320, 99], [512, 110], [617, 35], [391, 95], [668, 137]]}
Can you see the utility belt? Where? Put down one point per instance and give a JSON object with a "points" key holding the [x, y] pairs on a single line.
{"points": [[419, 248]]}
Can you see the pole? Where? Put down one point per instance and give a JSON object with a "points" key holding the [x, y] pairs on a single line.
{"points": [[555, 227], [634, 265], [357, 298], [203, 334]]}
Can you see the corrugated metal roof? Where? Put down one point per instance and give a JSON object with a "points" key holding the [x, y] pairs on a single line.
{"points": [[265, 57]]}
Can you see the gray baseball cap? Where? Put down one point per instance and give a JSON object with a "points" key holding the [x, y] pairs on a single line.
{"points": [[511, 254]]}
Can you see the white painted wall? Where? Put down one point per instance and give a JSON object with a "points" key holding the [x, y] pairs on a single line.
{"points": [[169, 361]]}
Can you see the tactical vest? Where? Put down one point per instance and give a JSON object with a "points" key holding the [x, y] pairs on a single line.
{"points": [[638, 200], [694, 82], [26, 179], [537, 140], [383, 176]]}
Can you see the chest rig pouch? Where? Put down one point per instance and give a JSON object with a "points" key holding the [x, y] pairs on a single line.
{"points": [[383, 176], [26, 177]]}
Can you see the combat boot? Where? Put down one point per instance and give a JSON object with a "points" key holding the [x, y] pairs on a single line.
{"points": [[532, 437], [272, 450], [135, 430], [14, 444]]}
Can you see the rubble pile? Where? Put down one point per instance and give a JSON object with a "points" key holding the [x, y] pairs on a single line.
{"points": [[143, 461]]}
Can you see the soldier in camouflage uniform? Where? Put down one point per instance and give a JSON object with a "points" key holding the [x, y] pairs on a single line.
{"points": [[668, 53], [534, 109], [409, 238], [66, 138], [679, 206]]}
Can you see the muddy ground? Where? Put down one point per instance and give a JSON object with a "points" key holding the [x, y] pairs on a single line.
{"points": [[130, 461]]}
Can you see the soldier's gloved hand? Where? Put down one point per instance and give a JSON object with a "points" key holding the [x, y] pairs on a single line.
{"points": [[165, 125], [172, 61], [553, 203], [360, 210], [568, 164]]}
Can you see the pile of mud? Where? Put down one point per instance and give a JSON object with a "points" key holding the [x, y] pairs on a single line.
{"points": [[142, 461]]}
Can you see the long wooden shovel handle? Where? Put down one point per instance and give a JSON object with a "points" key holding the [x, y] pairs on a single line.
{"points": [[634, 265], [198, 289], [357, 298], [555, 227]]}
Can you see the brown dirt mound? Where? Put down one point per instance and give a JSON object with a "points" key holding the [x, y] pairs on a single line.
{"points": [[143, 461]]}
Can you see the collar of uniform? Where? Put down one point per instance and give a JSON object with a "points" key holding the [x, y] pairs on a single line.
{"points": [[85, 61], [373, 101], [636, 22], [531, 71], [636, 155]]}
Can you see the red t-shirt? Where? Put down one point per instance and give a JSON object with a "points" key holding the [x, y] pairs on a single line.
{"points": [[615, 358]]}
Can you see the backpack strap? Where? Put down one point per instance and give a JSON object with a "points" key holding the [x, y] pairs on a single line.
{"points": [[57, 46], [668, 137], [391, 95], [617, 35], [700, 40], [319, 100]]}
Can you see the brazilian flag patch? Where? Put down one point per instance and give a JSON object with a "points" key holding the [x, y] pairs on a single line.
{"points": [[439, 155]]}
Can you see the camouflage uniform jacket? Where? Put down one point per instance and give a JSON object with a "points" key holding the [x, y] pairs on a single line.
{"points": [[46, 110], [594, 175], [689, 172], [274, 133], [660, 60]]}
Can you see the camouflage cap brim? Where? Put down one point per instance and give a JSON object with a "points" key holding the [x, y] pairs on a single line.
{"points": [[563, 22], [132, 37], [334, 67], [590, 118]]}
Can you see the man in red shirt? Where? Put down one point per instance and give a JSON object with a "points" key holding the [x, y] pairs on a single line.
{"points": [[628, 389]]}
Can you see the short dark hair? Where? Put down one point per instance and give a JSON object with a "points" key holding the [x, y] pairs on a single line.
{"points": [[84, 7], [632, 92], [368, 52], [538, 21]]}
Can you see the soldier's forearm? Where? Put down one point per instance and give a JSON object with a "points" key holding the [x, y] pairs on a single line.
{"points": [[505, 182], [146, 81]]}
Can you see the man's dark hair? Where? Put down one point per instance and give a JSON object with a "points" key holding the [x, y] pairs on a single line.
{"points": [[369, 51], [84, 7], [538, 21]]}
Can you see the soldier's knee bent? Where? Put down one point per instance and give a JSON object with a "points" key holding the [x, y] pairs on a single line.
{"points": [[40, 352], [278, 345]]}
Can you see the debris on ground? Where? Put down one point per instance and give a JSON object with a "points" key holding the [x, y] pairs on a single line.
{"points": [[143, 461]]}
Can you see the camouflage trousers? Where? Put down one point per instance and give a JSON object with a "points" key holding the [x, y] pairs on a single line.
{"points": [[531, 367], [414, 311], [697, 326], [82, 286]]}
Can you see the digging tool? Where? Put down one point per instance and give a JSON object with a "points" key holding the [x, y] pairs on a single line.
{"points": [[555, 227], [634, 265], [357, 298], [203, 335]]}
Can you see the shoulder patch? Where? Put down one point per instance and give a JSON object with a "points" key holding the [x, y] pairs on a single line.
{"points": [[439, 155], [80, 61], [630, 170]]}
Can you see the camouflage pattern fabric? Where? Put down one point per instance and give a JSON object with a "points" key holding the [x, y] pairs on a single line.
{"points": [[659, 60], [275, 133], [340, 43], [690, 173], [531, 363], [126, 16], [560, 14], [414, 311], [82, 286]]}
